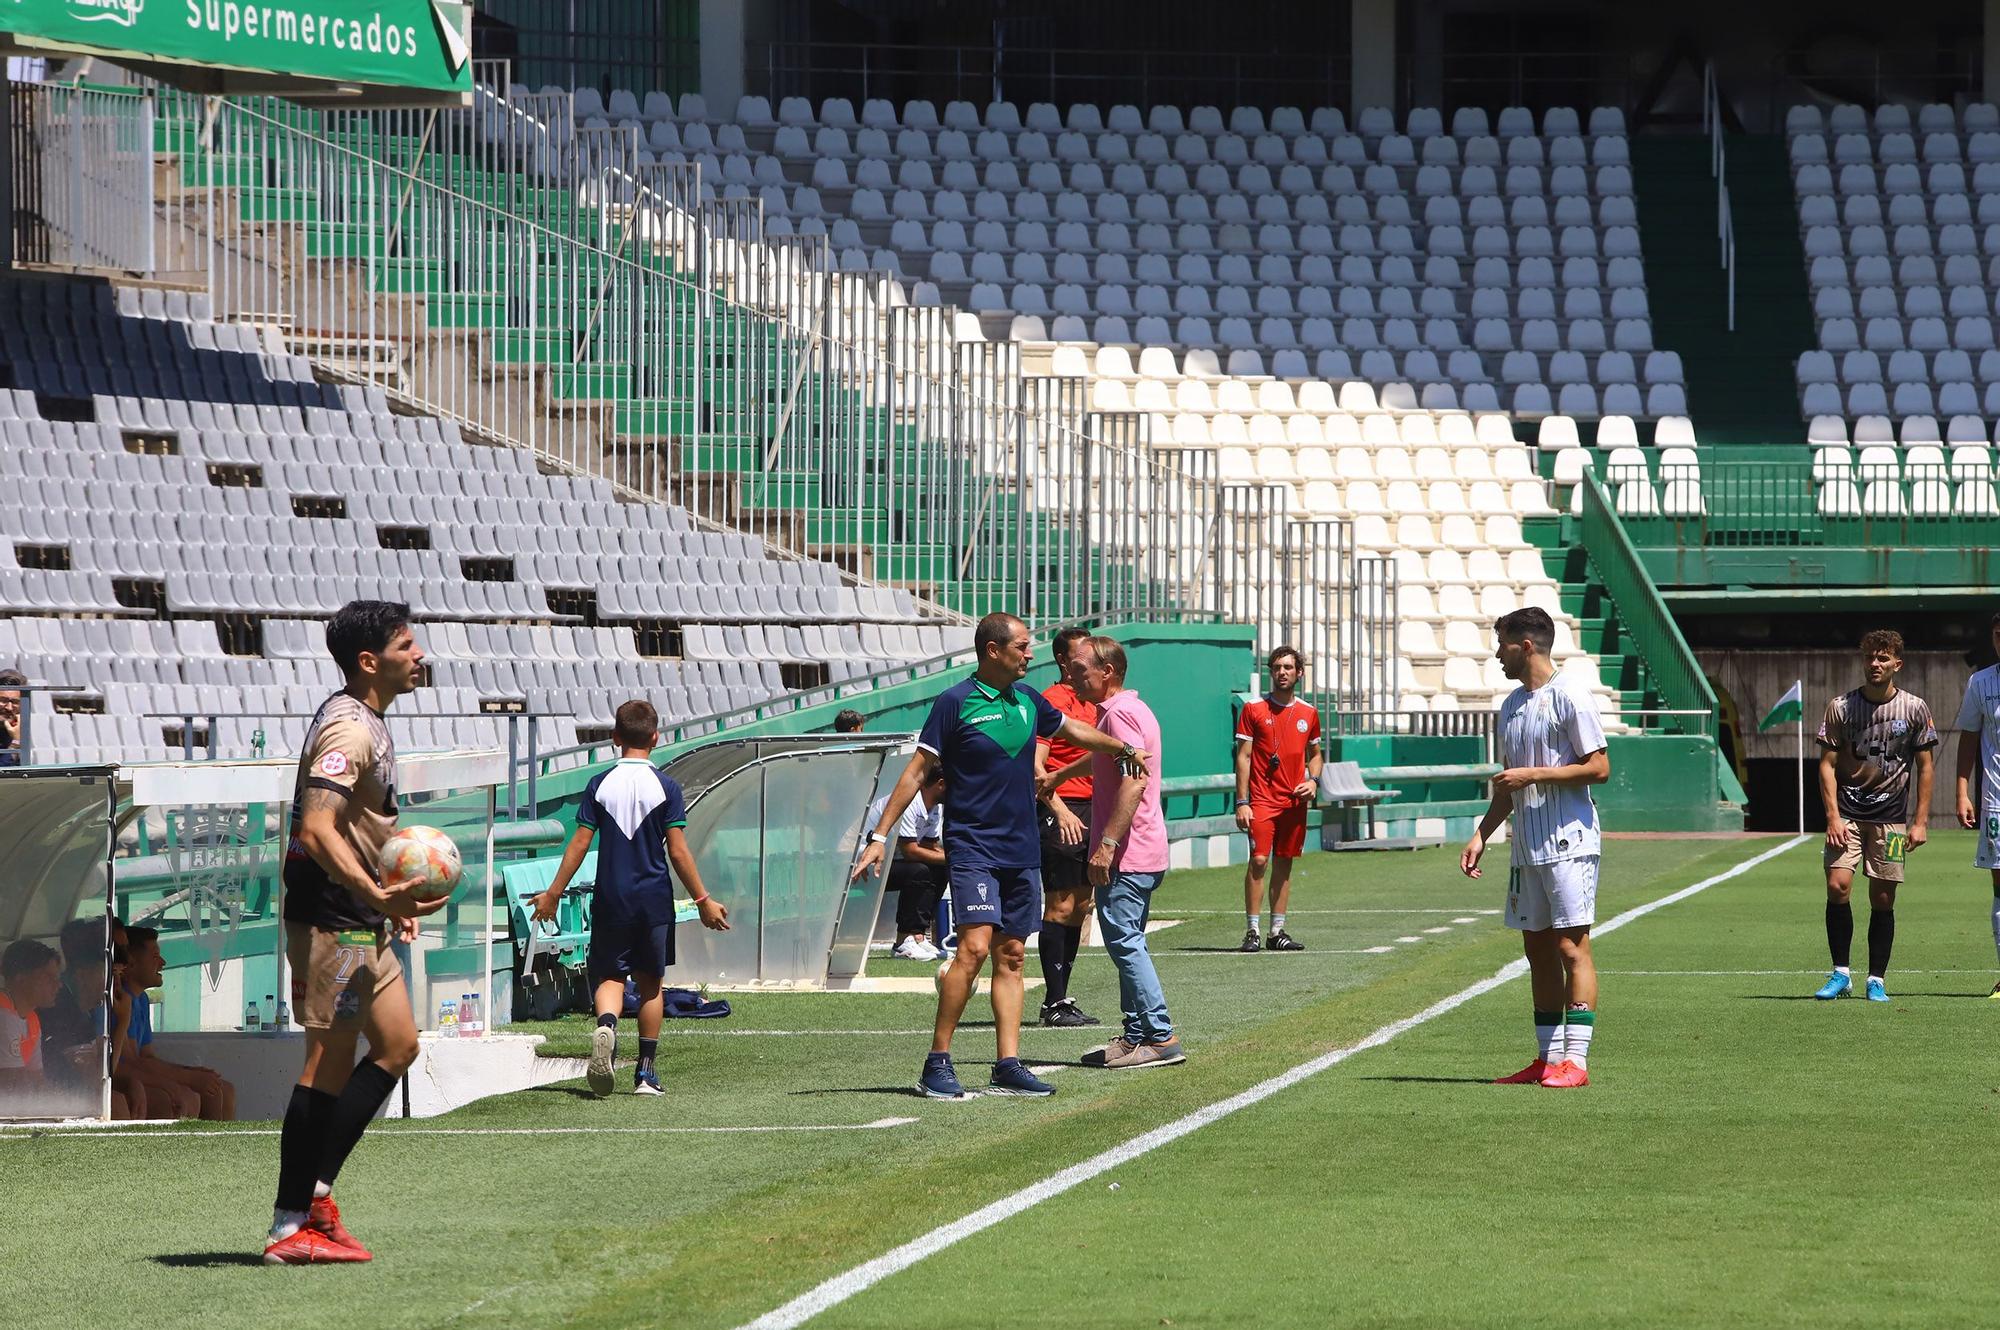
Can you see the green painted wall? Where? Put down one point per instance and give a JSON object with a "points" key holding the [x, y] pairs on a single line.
{"points": [[1668, 782]]}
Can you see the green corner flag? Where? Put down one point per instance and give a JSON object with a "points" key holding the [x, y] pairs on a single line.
{"points": [[1790, 707]]}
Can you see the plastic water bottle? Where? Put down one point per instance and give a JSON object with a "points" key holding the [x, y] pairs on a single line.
{"points": [[257, 742], [447, 1019], [251, 1019], [470, 1024], [284, 1016], [270, 1014]]}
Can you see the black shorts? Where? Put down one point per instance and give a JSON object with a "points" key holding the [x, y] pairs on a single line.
{"points": [[1065, 867], [619, 950]]}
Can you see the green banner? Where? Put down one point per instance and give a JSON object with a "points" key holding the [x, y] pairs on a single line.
{"points": [[395, 43]]}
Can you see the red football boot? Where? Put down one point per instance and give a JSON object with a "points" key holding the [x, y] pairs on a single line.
{"points": [[309, 1246], [1565, 1075], [1529, 1075], [324, 1217]]}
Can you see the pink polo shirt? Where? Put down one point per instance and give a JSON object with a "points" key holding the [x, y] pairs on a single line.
{"points": [[1145, 849]]}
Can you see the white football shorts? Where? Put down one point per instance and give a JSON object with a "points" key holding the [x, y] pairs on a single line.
{"points": [[1558, 895], [1987, 855]]}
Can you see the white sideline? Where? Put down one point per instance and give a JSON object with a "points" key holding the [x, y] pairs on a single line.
{"points": [[841, 1287], [384, 1133]]}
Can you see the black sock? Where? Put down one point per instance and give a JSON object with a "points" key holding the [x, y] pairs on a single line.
{"points": [[1839, 931], [300, 1145], [367, 1089], [1881, 937], [648, 1049], [1058, 945], [607, 1018]]}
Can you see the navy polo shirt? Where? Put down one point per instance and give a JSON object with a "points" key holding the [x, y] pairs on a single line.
{"points": [[985, 739]]}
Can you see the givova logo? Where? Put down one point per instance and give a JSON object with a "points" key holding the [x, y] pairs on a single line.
{"points": [[124, 13]]}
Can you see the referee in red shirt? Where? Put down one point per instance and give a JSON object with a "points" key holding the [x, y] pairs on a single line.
{"points": [[1277, 779], [1065, 818]]}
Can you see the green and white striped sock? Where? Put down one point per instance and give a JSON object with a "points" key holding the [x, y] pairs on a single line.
{"points": [[1580, 1025]]}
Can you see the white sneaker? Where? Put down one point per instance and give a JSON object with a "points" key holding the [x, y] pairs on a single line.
{"points": [[916, 949]]}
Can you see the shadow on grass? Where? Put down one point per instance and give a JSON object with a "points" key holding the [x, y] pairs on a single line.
{"points": [[1431, 1080], [573, 1091], [897, 1091], [206, 1260]]}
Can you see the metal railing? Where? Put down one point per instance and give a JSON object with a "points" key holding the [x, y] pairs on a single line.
{"points": [[666, 343], [1718, 169], [82, 178], [1690, 702], [1062, 75], [1725, 502]]}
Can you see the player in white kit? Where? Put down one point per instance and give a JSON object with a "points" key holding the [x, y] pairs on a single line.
{"points": [[1979, 759], [1552, 750]]}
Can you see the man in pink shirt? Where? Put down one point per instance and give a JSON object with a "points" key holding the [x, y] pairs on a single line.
{"points": [[1128, 857]]}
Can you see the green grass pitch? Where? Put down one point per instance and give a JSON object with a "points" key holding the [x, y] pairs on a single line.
{"points": [[1746, 1156]]}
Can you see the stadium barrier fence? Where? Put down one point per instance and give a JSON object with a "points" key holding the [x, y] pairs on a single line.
{"points": [[1676, 674]]}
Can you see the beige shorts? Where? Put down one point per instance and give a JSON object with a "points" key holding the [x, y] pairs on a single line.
{"points": [[1876, 848], [337, 975]]}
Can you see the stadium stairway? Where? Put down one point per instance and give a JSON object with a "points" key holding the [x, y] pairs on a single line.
{"points": [[723, 447], [1740, 385], [1600, 630]]}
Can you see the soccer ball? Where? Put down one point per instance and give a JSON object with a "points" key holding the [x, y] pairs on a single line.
{"points": [[421, 856], [944, 968]]}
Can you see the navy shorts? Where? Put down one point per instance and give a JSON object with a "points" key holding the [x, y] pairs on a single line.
{"points": [[620, 949], [1009, 898]]}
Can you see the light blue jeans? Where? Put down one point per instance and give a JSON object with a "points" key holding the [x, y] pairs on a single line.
{"points": [[1122, 910]]}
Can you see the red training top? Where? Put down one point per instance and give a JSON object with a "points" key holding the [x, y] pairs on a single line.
{"points": [[1278, 738], [1060, 753]]}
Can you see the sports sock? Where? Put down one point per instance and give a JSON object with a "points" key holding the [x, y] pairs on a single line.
{"points": [[1881, 937], [605, 1018], [648, 1050], [1277, 922], [1548, 1030], [1580, 1025], [1839, 932], [1996, 920], [1250, 920], [300, 1144], [367, 1089], [1058, 945]]}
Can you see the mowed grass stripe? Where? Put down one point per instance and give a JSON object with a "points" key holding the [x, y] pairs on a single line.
{"points": [[852, 1283], [712, 1230], [1746, 1156]]}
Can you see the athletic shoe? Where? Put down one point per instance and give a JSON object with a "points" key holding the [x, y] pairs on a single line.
{"points": [[1877, 991], [1140, 1056], [325, 1217], [603, 1043], [1565, 1075], [1836, 985], [1013, 1078], [939, 1081], [1529, 1075], [309, 1246], [916, 949], [1101, 1057], [1065, 1014], [1995, 994], [1282, 941], [646, 1082], [1252, 944]]}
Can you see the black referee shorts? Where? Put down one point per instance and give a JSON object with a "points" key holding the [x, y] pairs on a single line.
{"points": [[1065, 867]]}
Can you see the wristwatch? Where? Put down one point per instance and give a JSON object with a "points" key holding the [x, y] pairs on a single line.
{"points": [[1107, 840], [877, 838], [1128, 753]]}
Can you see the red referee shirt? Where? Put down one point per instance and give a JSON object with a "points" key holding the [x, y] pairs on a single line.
{"points": [[1278, 738], [1060, 754]]}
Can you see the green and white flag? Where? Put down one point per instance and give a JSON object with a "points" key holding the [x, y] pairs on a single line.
{"points": [[1790, 707]]}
